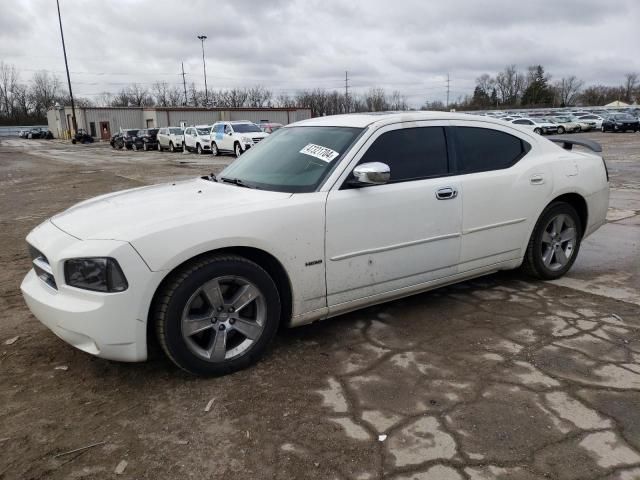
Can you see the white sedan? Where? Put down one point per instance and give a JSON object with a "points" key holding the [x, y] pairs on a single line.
{"points": [[322, 217]]}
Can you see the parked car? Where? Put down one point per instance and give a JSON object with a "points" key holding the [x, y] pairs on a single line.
{"points": [[235, 137], [284, 235], [585, 125], [537, 125], [171, 138], [269, 127], [620, 122], [592, 119], [23, 133], [198, 139], [146, 139], [565, 124], [35, 133], [124, 139]]}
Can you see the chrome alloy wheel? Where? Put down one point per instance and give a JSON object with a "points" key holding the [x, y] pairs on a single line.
{"points": [[223, 318], [558, 242]]}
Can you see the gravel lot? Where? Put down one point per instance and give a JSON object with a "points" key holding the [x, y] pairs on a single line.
{"points": [[498, 378]]}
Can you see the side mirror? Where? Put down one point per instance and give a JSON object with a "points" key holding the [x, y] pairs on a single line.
{"points": [[372, 173], [229, 133]]}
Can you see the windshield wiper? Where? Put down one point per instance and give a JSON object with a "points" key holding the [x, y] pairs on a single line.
{"points": [[238, 182], [211, 177]]}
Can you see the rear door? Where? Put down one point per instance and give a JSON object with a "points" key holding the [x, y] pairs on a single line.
{"points": [[503, 190], [403, 234]]}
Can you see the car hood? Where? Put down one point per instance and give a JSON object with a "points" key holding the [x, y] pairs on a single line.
{"points": [[130, 214]]}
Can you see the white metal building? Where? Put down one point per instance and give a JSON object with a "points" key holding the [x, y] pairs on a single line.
{"points": [[102, 122]]}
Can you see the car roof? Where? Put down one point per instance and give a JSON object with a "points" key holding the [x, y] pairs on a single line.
{"points": [[362, 120]]}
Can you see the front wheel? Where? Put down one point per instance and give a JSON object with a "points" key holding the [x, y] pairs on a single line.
{"points": [[560, 130], [214, 149], [537, 130], [199, 149], [237, 150], [554, 243], [145, 147], [217, 315]]}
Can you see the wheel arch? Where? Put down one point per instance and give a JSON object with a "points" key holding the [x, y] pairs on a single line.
{"points": [[267, 261], [579, 203]]}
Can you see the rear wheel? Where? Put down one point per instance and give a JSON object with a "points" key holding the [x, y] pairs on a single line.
{"points": [[217, 315], [145, 147], [561, 130], [554, 243]]}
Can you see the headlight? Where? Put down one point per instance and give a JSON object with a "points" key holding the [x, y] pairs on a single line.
{"points": [[96, 274], [246, 140]]}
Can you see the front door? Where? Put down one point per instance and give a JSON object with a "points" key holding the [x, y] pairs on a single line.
{"points": [[105, 131], [401, 235]]}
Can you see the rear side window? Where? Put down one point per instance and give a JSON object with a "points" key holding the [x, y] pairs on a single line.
{"points": [[411, 153], [484, 149]]}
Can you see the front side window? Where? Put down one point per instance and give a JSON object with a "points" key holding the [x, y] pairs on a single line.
{"points": [[483, 149], [294, 159], [227, 129], [411, 153]]}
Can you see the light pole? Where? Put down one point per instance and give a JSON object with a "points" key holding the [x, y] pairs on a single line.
{"points": [[202, 38], [64, 50]]}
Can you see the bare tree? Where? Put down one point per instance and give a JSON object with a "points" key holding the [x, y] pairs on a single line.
{"points": [[509, 85], [45, 91], [568, 89], [105, 99], [121, 99], [161, 93], [175, 96], [258, 96], [8, 83], [376, 100], [630, 84], [139, 96], [397, 101]]}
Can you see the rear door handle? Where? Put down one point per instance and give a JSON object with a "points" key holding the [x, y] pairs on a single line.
{"points": [[446, 193], [536, 180]]}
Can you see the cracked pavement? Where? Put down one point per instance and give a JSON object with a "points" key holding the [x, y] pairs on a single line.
{"points": [[497, 378]]}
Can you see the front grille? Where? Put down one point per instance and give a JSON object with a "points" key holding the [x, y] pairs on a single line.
{"points": [[257, 139], [42, 268]]}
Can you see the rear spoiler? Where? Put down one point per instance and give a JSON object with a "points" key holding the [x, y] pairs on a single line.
{"points": [[568, 143]]}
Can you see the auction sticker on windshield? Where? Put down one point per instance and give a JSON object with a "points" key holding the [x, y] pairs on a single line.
{"points": [[323, 153]]}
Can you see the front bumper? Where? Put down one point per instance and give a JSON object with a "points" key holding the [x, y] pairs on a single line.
{"points": [[108, 325]]}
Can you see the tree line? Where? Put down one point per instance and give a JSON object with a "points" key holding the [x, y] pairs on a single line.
{"points": [[534, 88], [24, 103]]}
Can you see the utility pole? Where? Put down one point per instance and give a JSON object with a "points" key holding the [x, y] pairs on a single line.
{"points": [[202, 38], [184, 84], [448, 82], [64, 50], [346, 92]]}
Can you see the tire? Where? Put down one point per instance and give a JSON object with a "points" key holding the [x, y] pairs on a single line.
{"points": [[602, 129], [237, 149], [560, 130], [199, 150], [183, 295], [145, 147], [73, 141], [549, 255], [160, 149], [171, 147], [214, 149], [537, 130]]}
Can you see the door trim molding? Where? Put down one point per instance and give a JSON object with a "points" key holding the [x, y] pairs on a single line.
{"points": [[394, 246], [493, 225]]}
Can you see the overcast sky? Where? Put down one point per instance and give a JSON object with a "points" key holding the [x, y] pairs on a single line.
{"points": [[285, 45]]}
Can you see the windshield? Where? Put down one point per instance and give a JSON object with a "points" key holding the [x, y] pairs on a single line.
{"points": [[294, 159], [176, 131], [245, 128], [203, 131]]}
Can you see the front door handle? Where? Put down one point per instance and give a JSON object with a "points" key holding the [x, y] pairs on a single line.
{"points": [[446, 193]]}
